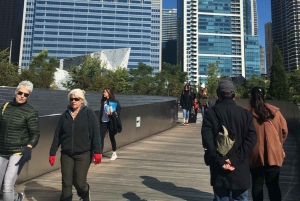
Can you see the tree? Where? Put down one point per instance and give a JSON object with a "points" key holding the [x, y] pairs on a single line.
{"points": [[141, 80], [41, 70], [279, 89], [9, 75], [88, 75], [170, 80], [243, 91], [118, 80], [212, 79], [294, 82]]}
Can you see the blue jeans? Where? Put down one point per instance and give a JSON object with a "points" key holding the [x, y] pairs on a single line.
{"points": [[223, 194], [202, 111], [8, 176], [186, 113]]}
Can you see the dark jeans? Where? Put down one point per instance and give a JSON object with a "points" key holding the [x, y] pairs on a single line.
{"points": [[269, 174], [103, 130], [74, 170], [223, 194], [196, 112]]}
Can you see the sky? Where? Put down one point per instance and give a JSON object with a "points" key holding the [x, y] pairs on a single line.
{"points": [[263, 9]]}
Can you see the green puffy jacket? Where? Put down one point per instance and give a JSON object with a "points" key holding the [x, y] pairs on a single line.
{"points": [[19, 126]]}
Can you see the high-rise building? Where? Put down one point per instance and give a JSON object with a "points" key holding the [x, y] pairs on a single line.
{"points": [[169, 36], [286, 31], [262, 59], [11, 15], [220, 31], [269, 47], [72, 28]]}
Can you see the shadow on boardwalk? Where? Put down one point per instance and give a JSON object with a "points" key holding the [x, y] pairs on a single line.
{"points": [[169, 188]]}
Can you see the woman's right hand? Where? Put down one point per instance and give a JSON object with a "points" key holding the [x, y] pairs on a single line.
{"points": [[52, 160]]}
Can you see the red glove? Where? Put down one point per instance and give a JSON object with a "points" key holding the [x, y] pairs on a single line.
{"points": [[52, 160], [97, 158]]}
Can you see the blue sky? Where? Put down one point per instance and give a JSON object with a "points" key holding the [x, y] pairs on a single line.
{"points": [[264, 15]]}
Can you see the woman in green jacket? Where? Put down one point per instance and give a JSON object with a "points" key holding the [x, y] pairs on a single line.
{"points": [[19, 133]]}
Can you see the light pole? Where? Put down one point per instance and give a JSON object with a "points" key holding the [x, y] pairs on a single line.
{"points": [[167, 86], [10, 50]]}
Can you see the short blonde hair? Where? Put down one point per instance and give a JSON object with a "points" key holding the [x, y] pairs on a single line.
{"points": [[27, 84], [78, 93]]}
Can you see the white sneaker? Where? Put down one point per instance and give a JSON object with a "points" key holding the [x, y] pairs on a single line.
{"points": [[114, 156]]}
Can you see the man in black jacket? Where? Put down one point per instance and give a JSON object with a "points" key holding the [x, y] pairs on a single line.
{"points": [[229, 173]]}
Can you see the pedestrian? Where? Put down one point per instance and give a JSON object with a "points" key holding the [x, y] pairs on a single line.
{"points": [[186, 103], [204, 101], [110, 120], [230, 173], [78, 134], [19, 134], [268, 155], [196, 106]]}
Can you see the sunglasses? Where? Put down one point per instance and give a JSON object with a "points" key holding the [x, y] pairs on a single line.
{"points": [[20, 93], [75, 99]]}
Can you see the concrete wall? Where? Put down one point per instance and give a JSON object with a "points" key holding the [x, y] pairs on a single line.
{"points": [[154, 118]]}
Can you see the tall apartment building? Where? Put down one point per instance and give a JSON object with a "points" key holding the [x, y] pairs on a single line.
{"points": [[169, 36], [11, 15], [220, 31], [72, 28], [262, 59], [286, 31], [269, 47]]}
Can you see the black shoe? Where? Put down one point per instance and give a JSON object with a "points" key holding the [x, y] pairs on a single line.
{"points": [[86, 197]]}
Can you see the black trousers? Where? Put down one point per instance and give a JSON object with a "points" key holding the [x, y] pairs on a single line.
{"points": [[74, 170], [269, 174], [103, 130]]}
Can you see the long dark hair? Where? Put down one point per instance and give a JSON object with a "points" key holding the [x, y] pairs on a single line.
{"points": [[110, 94], [258, 104]]}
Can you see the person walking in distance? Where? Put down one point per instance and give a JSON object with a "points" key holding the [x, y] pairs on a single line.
{"points": [[78, 134], [108, 119], [19, 134], [186, 103], [268, 155], [230, 173]]}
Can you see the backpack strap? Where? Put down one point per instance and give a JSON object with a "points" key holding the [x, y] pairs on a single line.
{"points": [[4, 107]]}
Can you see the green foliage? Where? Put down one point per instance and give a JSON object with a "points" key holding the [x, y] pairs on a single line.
{"points": [[212, 79], [118, 80], [294, 83], [141, 80], [41, 72], [88, 75], [170, 81], [254, 80], [9, 75], [279, 89]]}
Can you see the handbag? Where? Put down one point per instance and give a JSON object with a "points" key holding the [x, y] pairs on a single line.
{"points": [[277, 137]]}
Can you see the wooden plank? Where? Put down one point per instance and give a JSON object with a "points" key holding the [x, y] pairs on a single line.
{"points": [[167, 166]]}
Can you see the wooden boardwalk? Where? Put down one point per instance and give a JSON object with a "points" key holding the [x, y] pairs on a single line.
{"points": [[166, 166]]}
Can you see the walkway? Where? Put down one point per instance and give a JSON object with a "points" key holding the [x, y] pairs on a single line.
{"points": [[167, 166]]}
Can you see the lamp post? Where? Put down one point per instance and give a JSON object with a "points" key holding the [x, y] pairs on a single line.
{"points": [[167, 86], [10, 50]]}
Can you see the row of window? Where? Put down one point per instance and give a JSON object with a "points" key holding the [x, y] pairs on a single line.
{"points": [[86, 10], [93, 16], [94, 22], [89, 21]]}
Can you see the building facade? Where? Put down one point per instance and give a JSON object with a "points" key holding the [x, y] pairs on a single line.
{"points": [[222, 31], [262, 60], [286, 31], [169, 36], [72, 28], [269, 47], [11, 14]]}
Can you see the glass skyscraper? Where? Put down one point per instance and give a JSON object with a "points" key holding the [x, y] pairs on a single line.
{"points": [[286, 31], [222, 31], [169, 36], [71, 28]]}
